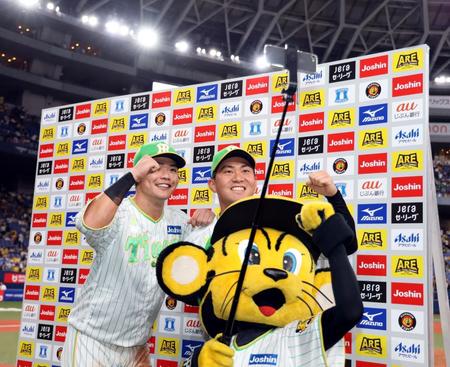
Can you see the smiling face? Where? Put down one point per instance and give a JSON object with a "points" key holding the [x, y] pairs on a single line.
{"points": [[279, 285], [160, 184], [234, 180]]}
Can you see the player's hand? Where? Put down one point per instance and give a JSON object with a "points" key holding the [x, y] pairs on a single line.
{"points": [[215, 353], [145, 166], [201, 218], [322, 183]]}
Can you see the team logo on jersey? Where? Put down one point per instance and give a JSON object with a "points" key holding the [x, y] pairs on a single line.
{"points": [[174, 230], [263, 359]]}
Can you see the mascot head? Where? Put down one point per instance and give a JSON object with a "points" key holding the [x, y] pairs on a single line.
{"points": [[282, 282]]}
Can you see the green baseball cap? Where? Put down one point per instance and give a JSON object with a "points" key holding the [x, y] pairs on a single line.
{"points": [[159, 149], [228, 152]]}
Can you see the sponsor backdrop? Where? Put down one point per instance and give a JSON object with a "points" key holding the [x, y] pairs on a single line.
{"points": [[364, 120]]}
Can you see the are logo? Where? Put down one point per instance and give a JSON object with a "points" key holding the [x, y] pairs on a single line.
{"points": [[47, 133], [375, 239], [306, 193], [372, 139], [311, 122], [279, 82], [341, 72], [407, 161], [256, 149], [341, 118], [408, 60], [229, 131], [257, 85], [407, 266], [373, 114], [372, 213], [407, 85], [371, 265], [373, 318], [407, 293], [310, 145], [139, 103], [161, 99], [135, 141], [282, 170], [407, 135], [208, 113], [231, 89], [341, 142], [118, 124], [62, 148], [201, 196], [407, 239], [372, 163], [371, 345], [373, 66], [168, 346], [407, 186], [309, 100], [101, 108], [207, 93]]}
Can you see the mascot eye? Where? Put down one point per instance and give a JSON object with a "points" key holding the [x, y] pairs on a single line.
{"points": [[292, 261], [254, 258]]}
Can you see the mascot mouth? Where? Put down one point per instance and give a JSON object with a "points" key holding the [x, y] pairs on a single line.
{"points": [[269, 301]]}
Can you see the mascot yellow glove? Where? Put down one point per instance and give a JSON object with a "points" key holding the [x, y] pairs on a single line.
{"points": [[313, 215], [215, 354]]}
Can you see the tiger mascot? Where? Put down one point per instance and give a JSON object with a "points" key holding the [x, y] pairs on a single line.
{"points": [[280, 318]]}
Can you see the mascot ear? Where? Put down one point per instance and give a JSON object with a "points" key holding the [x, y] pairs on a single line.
{"points": [[181, 271]]}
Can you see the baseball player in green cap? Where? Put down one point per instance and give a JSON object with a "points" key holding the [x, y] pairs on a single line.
{"points": [[111, 320]]}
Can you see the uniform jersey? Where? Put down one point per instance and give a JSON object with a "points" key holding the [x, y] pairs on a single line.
{"points": [[290, 346], [121, 297], [201, 236]]}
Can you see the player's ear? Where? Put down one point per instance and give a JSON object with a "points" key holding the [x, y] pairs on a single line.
{"points": [[181, 271], [212, 184]]}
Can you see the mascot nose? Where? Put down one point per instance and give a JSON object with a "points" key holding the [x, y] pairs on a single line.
{"points": [[275, 274]]}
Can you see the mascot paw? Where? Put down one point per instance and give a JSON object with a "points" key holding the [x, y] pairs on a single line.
{"points": [[312, 215], [215, 354]]}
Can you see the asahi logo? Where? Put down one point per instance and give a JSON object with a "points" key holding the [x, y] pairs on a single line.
{"points": [[407, 239], [307, 166], [405, 136]]}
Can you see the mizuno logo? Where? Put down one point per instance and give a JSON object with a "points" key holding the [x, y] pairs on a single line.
{"points": [[138, 120], [374, 112], [371, 317], [203, 173], [281, 146], [372, 212], [205, 92]]}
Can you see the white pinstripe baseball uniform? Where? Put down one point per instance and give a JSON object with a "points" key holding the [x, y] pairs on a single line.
{"points": [[121, 297], [285, 347]]}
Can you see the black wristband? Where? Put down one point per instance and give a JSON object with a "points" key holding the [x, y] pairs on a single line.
{"points": [[117, 191]]}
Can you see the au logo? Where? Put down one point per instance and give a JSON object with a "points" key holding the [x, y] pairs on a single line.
{"points": [[201, 196], [282, 170], [230, 131], [341, 118], [41, 203], [78, 165], [407, 266], [95, 181], [56, 219], [306, 193], [279, 82], [372, 139], [256, 149], [118, 124], [48, 133], [62, 148], [168, 346], [408, 60], [101, 108], [371, 345], [184, 96], [372, 239], [407, 161], [135, 141]]}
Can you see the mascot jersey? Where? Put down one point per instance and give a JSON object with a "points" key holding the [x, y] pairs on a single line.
{"points": [[121, 294], [289, 347]]}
